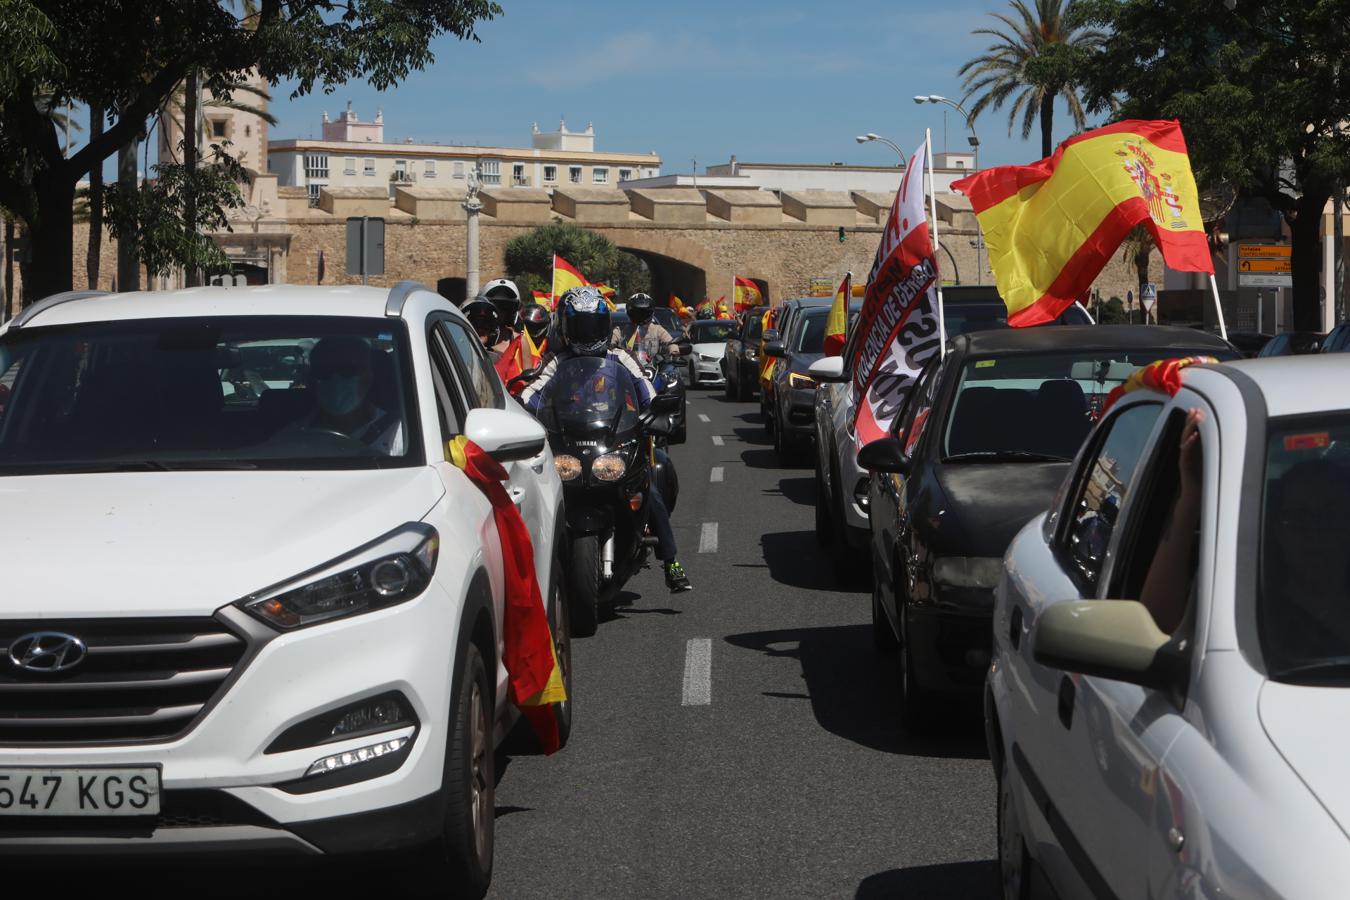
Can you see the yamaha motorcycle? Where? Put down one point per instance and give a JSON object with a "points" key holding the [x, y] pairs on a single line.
{"points": [[603, 448]]}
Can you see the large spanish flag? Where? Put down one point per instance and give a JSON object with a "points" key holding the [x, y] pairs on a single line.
{"points": [[1051, 226], [745, 294], [566, 276], [836, 325]]}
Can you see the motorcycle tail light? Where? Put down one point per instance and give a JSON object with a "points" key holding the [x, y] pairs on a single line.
{"points": [[635, 502]]}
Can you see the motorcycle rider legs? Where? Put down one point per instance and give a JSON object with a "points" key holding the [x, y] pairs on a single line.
{"points": [[583, 329]]}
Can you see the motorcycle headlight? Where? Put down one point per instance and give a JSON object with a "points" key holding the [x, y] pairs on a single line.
{"points": [[387, 571], [798, 380], [609, 467], [968, 571], [569, 467]]}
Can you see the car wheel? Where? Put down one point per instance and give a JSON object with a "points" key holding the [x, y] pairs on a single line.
{"points": [[824, 533], [584, 585], [461, 856], [883, 635], [765, 415], [1014, 861], [916, 704]]}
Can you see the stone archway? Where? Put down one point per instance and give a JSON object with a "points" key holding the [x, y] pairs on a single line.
{"points": [[678, 265]]}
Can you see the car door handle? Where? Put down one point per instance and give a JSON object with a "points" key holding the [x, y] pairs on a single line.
{"points": [[1067, 692]]}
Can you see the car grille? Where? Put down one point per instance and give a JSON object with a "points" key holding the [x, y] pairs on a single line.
{"points": [[142, 680]]}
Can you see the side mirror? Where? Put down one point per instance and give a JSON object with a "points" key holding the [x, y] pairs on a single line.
{"points": [[770, 335], [665, 404], [775, 348], [828, 369], [885, 455], [658, 425], [505, 434], [1115, 639]]}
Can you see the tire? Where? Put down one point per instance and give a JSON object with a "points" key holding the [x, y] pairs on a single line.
{"points": [[459, 861], [824, 533], [1014, 860], [917, 713], [583, 585]]}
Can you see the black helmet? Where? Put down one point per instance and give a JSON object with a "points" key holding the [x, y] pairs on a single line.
{"points": [[640, 308], [583, 321], [482, 315], [534, 319], [505, 296]]}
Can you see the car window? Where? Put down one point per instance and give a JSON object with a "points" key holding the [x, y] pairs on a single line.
{"points": [[754, 328], [910, 423], [1101, 493], [450, 404], [481, 383], [711, 332], [810, 337]]}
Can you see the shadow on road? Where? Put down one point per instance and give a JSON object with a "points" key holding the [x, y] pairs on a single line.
{"points": [[975, 880], [799, 490], [763, 458], [853, 691], [795, 559], [754, 435]]}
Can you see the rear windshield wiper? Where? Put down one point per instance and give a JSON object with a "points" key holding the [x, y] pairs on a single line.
{"points": [[1336, 667], [1004, 455]]}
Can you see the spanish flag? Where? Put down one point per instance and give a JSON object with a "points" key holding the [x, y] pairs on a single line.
{"points": [[1053, 225], [836, 326], [566, 276], [681, 310], [766, 362], [745, 294], [534, 679], [521, 355], [544, 299]]}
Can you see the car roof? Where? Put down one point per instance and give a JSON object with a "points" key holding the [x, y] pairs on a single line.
{"points": [[1088, 337], [261, 300], [808, 302], [1294, 385]]}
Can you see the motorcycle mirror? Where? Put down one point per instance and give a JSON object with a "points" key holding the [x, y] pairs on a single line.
{"points": [[660, 425], [664, 404]]}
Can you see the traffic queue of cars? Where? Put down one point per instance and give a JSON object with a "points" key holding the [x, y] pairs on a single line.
{"points": [[260, 610], [1146, 598]]}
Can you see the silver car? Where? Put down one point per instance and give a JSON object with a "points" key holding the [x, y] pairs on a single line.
{"points": [[1168, 703]]}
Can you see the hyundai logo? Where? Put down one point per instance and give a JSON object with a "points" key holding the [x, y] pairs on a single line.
{"points": [[47, 651]]}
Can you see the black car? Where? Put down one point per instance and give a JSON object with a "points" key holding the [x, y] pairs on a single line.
{"points": [[740, 362], [983, 442], [1293, 343], [787, 313], [1338, 339]]}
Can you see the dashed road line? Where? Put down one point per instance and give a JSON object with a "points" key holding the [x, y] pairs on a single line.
{"points": [[717, 474], [703, 417], [717, 440], [707, 538], [698, 672]]}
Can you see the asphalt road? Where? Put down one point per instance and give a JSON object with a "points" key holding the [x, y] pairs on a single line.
{"points": [[784, 772]]}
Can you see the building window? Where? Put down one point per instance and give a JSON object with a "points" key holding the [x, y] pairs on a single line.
{"points": [[218, 128], [314, 193], [349, 166], [490, 171], [316, 165], [459, 170], [369, 166], [430, 170], [600, 175], [550, 174], [625, 174], [400, 173], [574, 174], [518, 178]]}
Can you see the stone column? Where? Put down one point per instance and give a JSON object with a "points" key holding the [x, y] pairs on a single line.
{"points": [[472, 206]]}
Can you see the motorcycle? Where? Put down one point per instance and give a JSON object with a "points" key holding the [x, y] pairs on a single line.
{"points": [[603, 447]]}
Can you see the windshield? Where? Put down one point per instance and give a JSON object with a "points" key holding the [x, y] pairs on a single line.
{"points": [[206, 393], [669, 319], [588, 393], [811, 333], [1035, 407], [1305, 580], [711, 332]]}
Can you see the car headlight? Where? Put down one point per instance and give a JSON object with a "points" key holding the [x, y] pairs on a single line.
{"points": [[387, 571], [797, 380], [751, 354], [707, 357], [609, 467], [968, 571], [568, 467]]}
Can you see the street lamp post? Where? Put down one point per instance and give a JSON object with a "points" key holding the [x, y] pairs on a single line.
{"points": [[974, 141], [870, 136]]}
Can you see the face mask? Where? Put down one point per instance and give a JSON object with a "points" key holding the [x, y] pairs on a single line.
{"points": [[339, 395]]}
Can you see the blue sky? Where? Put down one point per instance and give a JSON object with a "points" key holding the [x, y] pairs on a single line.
{"points": [[777, 82]]}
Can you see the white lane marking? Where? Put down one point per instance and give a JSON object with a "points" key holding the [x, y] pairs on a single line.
{"points": [[698, 672], [717, 473], [707, 538], [702, 417], [717, 440]]}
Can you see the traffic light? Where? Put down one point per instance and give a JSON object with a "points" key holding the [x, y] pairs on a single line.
{"points": [[842, 234]]}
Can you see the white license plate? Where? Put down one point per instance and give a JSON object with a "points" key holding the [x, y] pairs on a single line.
{"points": [[79, 792]]}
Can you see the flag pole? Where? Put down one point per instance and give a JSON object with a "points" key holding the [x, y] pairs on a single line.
{"points": [[553, 282], [1218, 306], [932, 208]]}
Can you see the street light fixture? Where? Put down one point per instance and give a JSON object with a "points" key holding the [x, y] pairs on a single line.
{"points": [[974, 141], [871, 136]]}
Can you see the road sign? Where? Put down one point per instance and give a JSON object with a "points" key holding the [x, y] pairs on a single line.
{"points": [[1264, 251], [1263, 279], [1270, 266], [1148, 296], [822, 286], [365, 246]]}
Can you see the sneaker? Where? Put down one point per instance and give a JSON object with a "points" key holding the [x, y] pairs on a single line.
{"points": [[676, 580]]}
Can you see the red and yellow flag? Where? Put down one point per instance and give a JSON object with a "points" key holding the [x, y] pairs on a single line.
{"points": [[681, 310], [766, 362], [720, 308], [521, 355], [1163, 376], [534, 679], [544, 299], [836, 326], [746, 293], [566, 276], [1051, 226]]}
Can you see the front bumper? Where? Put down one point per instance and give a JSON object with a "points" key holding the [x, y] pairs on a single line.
{"points": [[950, 648], [268, 803], [799, 412], [704, 370]]}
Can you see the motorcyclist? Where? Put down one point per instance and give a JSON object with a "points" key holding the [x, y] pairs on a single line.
{"points": [[645, 338], [584, 329], [527, 349], [487, 324], [506, 297]]}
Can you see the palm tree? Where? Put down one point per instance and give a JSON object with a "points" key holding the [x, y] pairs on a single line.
{"points": [[1032, 58]]}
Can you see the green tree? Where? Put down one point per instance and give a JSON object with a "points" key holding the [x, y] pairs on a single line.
{"points": [[1035, 58], [529, 257], [129, 57], [1260, 95]]}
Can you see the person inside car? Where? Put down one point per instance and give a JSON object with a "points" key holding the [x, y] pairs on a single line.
{"points": [[584, 329], [1167, 586], [341, 371]]}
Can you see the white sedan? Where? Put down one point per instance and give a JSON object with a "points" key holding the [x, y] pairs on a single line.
{"points": [[709, 339], [1185, 737]]}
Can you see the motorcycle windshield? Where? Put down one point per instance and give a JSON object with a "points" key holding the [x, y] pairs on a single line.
{"points": [[588, 394]]}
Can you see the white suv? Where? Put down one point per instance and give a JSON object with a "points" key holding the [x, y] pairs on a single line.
{"points": [[257, 610]]}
